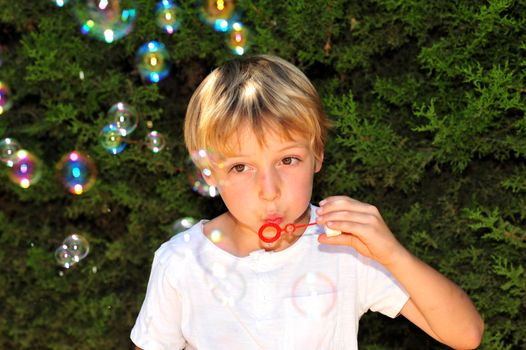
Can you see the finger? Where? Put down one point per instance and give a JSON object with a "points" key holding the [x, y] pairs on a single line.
{"points": [[344, 203], [350, 227], [347, 240], [354, 216]]}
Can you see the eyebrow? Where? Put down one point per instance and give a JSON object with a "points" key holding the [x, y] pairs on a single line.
{"points": [[285, 148]]}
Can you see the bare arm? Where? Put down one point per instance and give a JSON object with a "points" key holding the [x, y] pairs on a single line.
{"points": [[436, 305]]}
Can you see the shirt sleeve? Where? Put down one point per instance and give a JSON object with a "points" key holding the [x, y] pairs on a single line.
{"points": [[158, 326], [383, 292]]}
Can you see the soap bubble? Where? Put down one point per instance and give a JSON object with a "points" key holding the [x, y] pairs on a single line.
{"points": [[153, 61], [167, 16], [238, 39], [106, 20], [314, 295], [155, 141], [111, 139], [26, 169], [183, 224], [64, 256], [77, 172], [60, 3], [5, 98], [8, 149], [227, 285], [124, 117], [204, 163], [77, 245], [218, 13]]}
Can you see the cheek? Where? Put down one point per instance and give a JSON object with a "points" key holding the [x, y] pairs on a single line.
{"points": [[300, 187]]}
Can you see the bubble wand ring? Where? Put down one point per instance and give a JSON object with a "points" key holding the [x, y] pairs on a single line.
{"points": [[289, 228]]}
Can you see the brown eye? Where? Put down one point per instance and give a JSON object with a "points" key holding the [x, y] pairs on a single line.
{"points": [[239, 168], [289, 160]]}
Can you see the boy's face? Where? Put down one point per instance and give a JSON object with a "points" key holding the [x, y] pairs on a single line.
{"points": [[266, 183]]}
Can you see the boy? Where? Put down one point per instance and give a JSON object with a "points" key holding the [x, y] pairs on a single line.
{"points": [[256, 128]]}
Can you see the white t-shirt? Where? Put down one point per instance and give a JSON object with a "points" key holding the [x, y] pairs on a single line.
{"points": [[308, 296]]}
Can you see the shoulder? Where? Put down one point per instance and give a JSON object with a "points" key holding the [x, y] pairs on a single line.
{"points": [[176, 251]]}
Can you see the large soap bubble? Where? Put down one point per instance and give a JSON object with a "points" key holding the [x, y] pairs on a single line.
{"points": [[106, 20]]}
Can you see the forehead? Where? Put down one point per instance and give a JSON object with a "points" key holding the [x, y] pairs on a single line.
{"points": [[270, 139]]}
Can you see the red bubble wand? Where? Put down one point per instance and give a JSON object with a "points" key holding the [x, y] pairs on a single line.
{"points": [[289, 228]]}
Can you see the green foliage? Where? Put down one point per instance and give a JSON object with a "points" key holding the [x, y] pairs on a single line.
{"points": [[428, 104]]}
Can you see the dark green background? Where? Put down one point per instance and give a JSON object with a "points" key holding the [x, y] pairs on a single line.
{"points": [[427, 99]]}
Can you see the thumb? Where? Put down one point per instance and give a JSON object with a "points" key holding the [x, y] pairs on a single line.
{"points": [[347, 239]]}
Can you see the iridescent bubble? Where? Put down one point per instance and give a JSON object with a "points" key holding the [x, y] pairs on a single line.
{"points": [[314, 295], [155, 141], [60, 3], [238, 39], [5, 98], [124, 116], [64, 256], [203, 163], [26, 169], [8, 149], [77, 172], [77, 245], [219, 14], [106, 20], [167, 16], [183, 224], [111, 139], [153, 61], [227, 285]]}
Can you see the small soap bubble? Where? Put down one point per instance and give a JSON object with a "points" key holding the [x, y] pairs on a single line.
{"points": [[8, 149], [111, 139], [60, 3], [167, 16], [218, 13], [216, 236], [153, 61], [314, 295], [183, 224], [203, 163], [227, 285], [64, 256], [155, 141], [26, 169], [5, 98], [124, 116], [238, 39], [77, 245], [77, 172], [106, 20]]}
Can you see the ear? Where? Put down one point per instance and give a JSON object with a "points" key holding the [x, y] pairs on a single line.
{"points": [[318, 162]]}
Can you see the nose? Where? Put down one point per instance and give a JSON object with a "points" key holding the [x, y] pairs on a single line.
{"points": [[269, 185]]}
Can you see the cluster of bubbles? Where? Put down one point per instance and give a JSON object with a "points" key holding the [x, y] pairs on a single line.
{"points": [[111, 20], [76, 171], [223, 17], [73, 249], [201, 165], [122, 120], [5, 98]]}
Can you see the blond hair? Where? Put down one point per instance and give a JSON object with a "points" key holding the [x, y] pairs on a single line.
{"points": [[263, 92]]}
